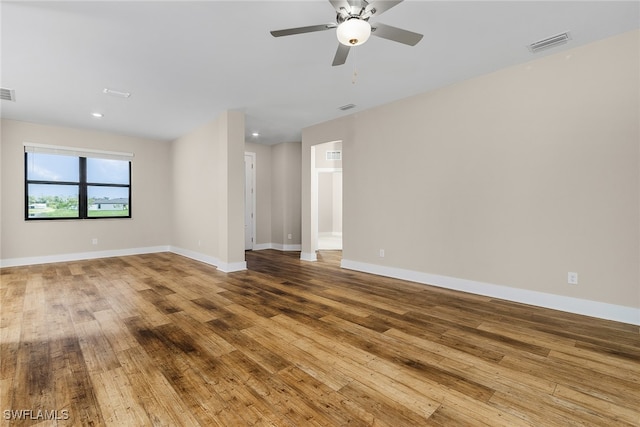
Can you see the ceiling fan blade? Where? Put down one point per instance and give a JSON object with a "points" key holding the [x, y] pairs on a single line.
{"points": [[396, 34], [341, 54], [302, 30], [381, 6]]}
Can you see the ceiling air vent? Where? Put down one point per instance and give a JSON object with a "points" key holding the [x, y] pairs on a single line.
{"points": [[7, 94], [116, 93], [549, 42], [347, 107]]}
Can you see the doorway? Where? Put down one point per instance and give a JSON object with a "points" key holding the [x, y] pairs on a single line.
{"points": [[249, 200], [326, 170], [330, 209]]}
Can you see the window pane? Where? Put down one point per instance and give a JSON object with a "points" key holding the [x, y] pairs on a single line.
{"points": [[108, 201], [105, 171], [53, 201], [50, 167]]}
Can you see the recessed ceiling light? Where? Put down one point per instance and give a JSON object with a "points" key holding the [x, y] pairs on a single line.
{"points": [[117, 93], [97, 115], [255, 134]]}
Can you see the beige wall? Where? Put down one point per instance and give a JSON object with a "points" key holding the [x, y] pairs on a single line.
{"points": [[196, 201], [207, 172], [286, 190], [187, 196], [151, 196], [514, 178]]}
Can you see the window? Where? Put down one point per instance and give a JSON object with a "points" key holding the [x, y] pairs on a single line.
{"points": [[66, 183]]}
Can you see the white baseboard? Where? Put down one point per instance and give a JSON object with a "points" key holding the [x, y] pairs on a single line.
{"points": [[231, 267], [557, 302], [262, 246], [277, 246], [48, 259], [305, 256], [280, 247], [207, 259], [600, 310], [286, 248]]}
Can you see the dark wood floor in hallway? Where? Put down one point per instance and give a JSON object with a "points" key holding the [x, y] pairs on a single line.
{"points": [[163, 340]]}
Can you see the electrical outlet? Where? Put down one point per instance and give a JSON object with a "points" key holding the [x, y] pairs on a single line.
{"points": [[289, 236], [572, 278], [381, 253], [94, 241]]}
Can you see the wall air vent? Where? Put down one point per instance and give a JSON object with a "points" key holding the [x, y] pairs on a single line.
{"points": [[347, 107], [333, 155], [549, 42], [7, 94]]}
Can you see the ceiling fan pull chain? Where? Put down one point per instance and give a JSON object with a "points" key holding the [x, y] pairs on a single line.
{"points": [[354, 78]]}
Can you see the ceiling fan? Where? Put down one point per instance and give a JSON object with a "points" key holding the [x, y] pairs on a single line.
{"points": [[353, 27]]}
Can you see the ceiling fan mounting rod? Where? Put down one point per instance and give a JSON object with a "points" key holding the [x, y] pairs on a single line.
{"points": [[362, 11], [343, 18]]}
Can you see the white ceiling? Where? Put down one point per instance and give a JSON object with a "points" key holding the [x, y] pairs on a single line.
{"points": [[185, 62]]}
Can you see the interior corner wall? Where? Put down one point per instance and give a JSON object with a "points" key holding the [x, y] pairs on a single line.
{"points": [[510, 179], [32, 242], [208, 183], [286, 193]]}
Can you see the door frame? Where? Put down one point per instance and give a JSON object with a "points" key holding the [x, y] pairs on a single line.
{"points": [[250, 195]]}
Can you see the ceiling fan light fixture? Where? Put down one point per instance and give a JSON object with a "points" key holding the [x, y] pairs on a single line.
{"points": [[353, 32]]}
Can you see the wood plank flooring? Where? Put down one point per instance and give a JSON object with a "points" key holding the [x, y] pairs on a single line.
{"points": [[163, 340]]}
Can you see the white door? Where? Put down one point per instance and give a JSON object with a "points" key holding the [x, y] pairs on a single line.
{"points": [[249, 199]]}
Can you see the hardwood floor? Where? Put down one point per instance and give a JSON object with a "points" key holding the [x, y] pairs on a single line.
{"points": [[164, 340]]}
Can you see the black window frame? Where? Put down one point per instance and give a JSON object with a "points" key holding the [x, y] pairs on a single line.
{"points": [[83, 193]]}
